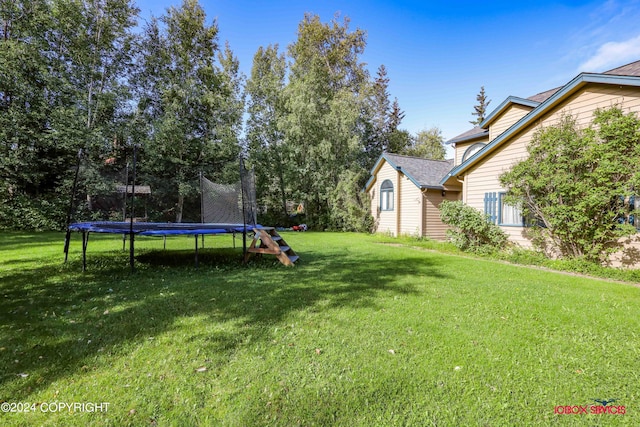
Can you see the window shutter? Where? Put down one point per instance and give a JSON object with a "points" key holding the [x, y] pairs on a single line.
{"points": [[491, 206]]}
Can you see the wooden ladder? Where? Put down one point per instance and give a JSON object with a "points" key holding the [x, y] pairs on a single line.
{"points": [[266, 240]]}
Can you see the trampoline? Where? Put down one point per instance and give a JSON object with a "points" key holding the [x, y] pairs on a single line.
{"points": [[225, 209], [161, 229]]}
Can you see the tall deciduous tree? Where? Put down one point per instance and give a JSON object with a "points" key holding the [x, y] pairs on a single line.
{"points": [[193, 104], [324, 100], [94, 40], [580, 184], [265, 142], [24, 104], [428, 144], [62, 89]]}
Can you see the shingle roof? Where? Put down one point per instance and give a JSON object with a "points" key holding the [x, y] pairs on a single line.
{"points": [[543, 96], [424, 173], [574, 85], [474, 133], [632, 69]]}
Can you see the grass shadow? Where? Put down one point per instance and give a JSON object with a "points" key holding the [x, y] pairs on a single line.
{"points": [[55, 318]]}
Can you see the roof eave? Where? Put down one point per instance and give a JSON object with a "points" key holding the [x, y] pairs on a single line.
{"points": [[468, 138], [554, 99], [373, 172], [504, 105]]}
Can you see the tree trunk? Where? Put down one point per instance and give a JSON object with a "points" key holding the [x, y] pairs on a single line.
{"points": [[179, 208]]}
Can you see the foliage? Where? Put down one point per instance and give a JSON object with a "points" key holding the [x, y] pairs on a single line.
{"points": [[428, 144], [350, 206], [323, 102], [470, 230], [264, 140], [579, 184], [64, 64], [20, 212], [193, 106], [382, 133], [480, 110], [77, 75]]}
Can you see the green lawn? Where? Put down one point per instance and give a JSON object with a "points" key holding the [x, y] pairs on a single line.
{"points": [[358, 333]]}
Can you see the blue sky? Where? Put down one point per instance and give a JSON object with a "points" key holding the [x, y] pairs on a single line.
{"points": [[439, 53]]}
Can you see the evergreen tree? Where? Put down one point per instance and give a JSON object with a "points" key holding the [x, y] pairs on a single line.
{"points": [[480, 110], [382, 125], [377, 121]]}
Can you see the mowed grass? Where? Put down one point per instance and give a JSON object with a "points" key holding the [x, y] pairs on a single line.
{"points": [[359, 333]]}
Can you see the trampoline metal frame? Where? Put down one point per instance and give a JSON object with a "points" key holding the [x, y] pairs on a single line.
{"points": [[151, 229]]}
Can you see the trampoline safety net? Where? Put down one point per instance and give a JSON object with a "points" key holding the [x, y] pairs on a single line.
{"points": [[230, 203]]}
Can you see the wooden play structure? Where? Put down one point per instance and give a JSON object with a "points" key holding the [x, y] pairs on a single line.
{"points": [[266, 240]]}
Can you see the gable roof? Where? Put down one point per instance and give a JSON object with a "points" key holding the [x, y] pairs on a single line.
{"points": [[631, 69], [553, 100], [424, 173], [543, 96], [475, 133], [506, 104]]}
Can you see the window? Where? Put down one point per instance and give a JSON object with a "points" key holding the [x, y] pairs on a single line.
{"points": [[631, 216], [473, 149], [386, 196], [509, 214], [502, 213]]}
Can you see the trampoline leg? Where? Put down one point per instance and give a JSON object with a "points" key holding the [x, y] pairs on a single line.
{"points": [[165, 241], [67, 239], [85, 241], [196, 251], [132, 252]]}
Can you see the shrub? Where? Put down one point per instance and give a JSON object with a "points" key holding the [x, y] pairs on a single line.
{"points": [[580, 184], [21, 212], [470, 230]]}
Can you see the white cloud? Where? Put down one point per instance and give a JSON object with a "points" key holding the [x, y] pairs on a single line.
{"points": [[613, 54]]}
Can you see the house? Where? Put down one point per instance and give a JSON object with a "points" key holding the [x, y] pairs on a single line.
{"points": [[405, 194], [485, 152]]}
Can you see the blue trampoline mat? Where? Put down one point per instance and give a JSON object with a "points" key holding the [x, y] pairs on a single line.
{"points": [[159, 228]]}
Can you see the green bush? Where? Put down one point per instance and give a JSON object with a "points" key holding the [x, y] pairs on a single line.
{"points": [[470, 230], [21, 212]]}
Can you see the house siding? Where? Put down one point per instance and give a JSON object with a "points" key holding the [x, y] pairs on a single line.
{"points": [[461, 147], [410, 204], [433, 227], [505, 120], [484, 177], [386, 221]]}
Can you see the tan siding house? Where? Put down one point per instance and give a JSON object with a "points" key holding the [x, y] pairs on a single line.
{"points": [[512, 125], [405, 195], [406, 192]]}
